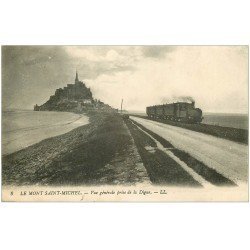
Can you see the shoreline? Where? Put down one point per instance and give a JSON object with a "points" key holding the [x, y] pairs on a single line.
{"points": [[101, 152], [28, 160], [32, 128]]}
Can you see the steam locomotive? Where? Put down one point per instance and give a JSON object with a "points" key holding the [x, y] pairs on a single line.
{"points": [[179, 111]]}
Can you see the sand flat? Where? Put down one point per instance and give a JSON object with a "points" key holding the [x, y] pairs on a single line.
{"points": [[24, 128]]}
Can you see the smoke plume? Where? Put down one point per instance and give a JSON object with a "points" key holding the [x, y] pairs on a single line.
{"points": [[185, 99], [172, 99]]}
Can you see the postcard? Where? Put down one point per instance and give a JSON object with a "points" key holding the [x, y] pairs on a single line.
{"points": [[125, 123]]}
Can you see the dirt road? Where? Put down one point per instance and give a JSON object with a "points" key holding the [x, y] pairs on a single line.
{"points": [[228, 158]]}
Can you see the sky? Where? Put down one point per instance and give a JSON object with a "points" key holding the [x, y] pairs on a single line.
{"points": [[216, 77]]}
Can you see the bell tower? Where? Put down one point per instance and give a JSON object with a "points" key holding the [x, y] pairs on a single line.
{"points": [[76, 80]]}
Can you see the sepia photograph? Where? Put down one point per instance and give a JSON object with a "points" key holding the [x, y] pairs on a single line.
{"points": [[125, 123]]}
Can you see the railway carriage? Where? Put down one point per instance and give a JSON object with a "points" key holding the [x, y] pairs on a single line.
{"points": [[179, 111]]}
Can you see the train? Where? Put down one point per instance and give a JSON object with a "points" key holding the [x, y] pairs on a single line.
{"points": [[179, 111]]}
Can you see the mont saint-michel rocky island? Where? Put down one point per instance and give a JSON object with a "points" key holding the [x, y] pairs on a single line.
{"points": [[75, 97], [167, 145]]}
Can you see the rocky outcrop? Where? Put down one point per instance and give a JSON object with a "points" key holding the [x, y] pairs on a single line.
{"points": [[73, 97]]}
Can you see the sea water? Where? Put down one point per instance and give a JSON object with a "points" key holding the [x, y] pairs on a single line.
{"points": [[22, 128], [219, 119], [226, 120]]}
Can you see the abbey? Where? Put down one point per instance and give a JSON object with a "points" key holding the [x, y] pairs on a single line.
{"points": [[75, 92], [73, 97]]}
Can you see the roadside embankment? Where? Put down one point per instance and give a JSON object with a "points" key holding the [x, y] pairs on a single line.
{"points": [[174, 159], [233, 134], [162, 169], [101, 152], [224, 156]]}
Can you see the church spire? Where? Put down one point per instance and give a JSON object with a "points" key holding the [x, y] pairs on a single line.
{"points": [[76, 80]]}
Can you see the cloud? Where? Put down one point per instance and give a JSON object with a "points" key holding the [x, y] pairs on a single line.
{"points": [[215, 76], [211, 75], [31, 73], [157, 51], [30, 55], [92, 70], [94, 61]]}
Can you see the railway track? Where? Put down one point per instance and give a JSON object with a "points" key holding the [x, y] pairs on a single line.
{"points": [[169, 165], [233, 134]]}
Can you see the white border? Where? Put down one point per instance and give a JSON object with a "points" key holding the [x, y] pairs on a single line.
{"points": [[126, 225]]}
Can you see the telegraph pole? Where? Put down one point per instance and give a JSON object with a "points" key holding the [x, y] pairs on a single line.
{"points": [[121, 106]]}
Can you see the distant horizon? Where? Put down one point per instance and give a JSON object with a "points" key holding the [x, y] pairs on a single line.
{"points": [[129, 111], [206, 112]]}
